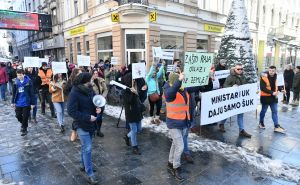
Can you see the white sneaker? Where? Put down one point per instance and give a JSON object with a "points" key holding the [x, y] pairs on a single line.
{"points": [[279, 129]]}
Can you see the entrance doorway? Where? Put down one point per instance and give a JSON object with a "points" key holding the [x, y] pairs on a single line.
{"points": [[135, 42]]}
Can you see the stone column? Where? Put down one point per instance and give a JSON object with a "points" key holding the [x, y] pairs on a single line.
{"points": [[153, 40], [92, 42], [190, 41], [118, 44]]}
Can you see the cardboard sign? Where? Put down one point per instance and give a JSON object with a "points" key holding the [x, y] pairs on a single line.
{"points": [[31, 62], [114, 60], [59, 67], [167, 55], [222, 74], [280, 80], [224, 103], [196, 68], [83, 60], [138, 70], [157, 52]]}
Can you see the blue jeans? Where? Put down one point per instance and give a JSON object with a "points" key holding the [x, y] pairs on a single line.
{"points": [[86, 150], [34, 110], [59, 108], [3, 91], [240, 121], [134, 129], [185, 134], [264, 108]]}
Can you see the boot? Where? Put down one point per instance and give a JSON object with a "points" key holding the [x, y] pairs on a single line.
{"points": [[73, 136], [177, 174], [135, 150], [170, 168], [92, 180], [127, 140], [243, 133], [222, 128], [62, 129], [188, 158], [24, 132], [99, 133]]}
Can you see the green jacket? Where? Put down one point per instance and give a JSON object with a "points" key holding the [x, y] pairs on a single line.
{"points": [[296, 82], [234, 79]]}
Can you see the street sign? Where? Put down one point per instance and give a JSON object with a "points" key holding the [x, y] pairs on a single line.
{"points": [[115, 17], [153, 16]]}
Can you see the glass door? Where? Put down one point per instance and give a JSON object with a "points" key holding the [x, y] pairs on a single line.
{"points": [[135, 42]]}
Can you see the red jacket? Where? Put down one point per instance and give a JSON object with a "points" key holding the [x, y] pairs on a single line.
{"points": [[3, 75]]}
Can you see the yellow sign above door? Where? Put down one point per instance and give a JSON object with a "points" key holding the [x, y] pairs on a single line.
{"points": [[115, 17], [78, 30], [213, 28], [153, 16]]}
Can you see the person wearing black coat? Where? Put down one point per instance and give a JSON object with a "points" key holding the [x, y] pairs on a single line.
{"points": [[221, 66], [133, 112], [82, 109], [11, 75], [288, 76]]}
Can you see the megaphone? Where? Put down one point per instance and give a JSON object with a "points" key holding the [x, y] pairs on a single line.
{"points": [[99, 101]]}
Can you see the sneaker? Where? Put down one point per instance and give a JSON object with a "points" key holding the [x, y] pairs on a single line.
{"points": [[24, 132], [62, 129], [261, 126], [82, 169], [177, 174], [157, 120], [136, 151], [243, 133], [222, 128], [279, 129], [127, 140], [92, 180], [188, 158]]}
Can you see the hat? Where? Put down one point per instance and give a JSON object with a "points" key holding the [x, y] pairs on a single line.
{"points": [[44, 64], [172, 78]]}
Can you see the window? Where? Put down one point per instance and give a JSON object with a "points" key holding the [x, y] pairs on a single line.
{"points": [[71, 51], [29, 7], [104, 47], [85, 6], [87, 46], [54, 16], [135, 41], [76, 7], [264, 14], [202, 44], [100, 1], [173, 42], [78, 47]]}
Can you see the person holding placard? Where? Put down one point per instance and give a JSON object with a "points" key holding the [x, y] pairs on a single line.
{"points": [[154, 94], [269, 97], [45, 76], [236, 78], [221, 66], [288, 76], [32, 74], [178, 120], [100, 88], [296, 87], [56, 88]]}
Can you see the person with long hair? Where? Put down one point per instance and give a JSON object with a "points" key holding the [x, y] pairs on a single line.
{"points": [[67, 90], [100, 88], [82, 109], [58, 98]]}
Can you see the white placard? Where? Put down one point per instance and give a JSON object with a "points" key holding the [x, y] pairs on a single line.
{"points": [[4, 60], [224, 103], [83, 60], [216, 84], [171, 68], [43, 60], [280, 80], [157, 52], [138, 70], [31, 62], [114, 60], [222, 74], [59, 67], [167, 55]]}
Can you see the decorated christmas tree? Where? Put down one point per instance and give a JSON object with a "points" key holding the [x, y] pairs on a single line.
{"points": [[236, 44]]}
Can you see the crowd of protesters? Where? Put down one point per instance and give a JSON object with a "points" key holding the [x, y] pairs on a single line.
{"points": [[162, 89]]}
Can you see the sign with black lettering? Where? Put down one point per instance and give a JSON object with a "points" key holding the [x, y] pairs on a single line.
{"points": [[196, 68], [226, 102]]}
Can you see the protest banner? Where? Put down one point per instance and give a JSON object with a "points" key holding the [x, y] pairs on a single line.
{"points": [[222, 74], [224, 103], [138, 70], [83, 60], [280, 79], [31, 62], [59, 67], [167, 55], [196, 68], [114, 60]]}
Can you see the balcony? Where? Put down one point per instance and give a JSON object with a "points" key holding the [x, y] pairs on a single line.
{"points": [[286, 33], [142, 2]]}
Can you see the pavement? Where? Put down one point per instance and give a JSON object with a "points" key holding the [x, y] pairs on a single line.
{"points": [[47, 157]]}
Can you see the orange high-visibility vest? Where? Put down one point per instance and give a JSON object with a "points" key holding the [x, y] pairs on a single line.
{"points": [[268, 86], [178, 109], [46, 78]]}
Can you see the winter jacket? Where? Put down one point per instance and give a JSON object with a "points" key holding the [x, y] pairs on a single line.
{"points": [[35, 81], [296, 82], [99, 87], [42, 79], [263, 87], [234, 79], [3, 75], [23, 94], [170, 95], [11, 72], [152, 83], [133, 107], [57, 91], [80, 107], [288, 76]]}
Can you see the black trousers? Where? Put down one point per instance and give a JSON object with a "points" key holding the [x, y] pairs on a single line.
{"points": [[296, 96], [22, 114], [46, 96], [158, 106], [288, 94]]}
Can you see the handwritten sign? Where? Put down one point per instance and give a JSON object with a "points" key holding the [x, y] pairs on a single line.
{"points": [[59, 67], [83, 60], [138, 70], [31, 62], [196, 68]]}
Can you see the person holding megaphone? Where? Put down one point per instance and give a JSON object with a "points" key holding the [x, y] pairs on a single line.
{"points": [[82, 109]]}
